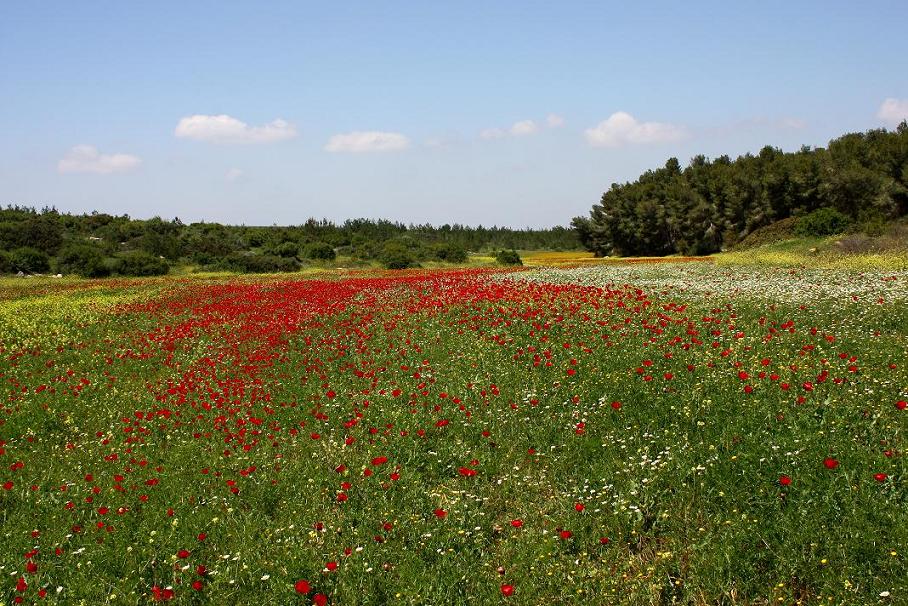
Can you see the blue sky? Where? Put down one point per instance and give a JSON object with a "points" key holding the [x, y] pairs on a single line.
{"points": [[508, 113]]}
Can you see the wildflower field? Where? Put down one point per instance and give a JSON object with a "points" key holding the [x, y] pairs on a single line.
{"points": [[619, 434]]}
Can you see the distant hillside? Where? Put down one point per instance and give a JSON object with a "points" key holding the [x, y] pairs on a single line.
{"points": [[713, 205]]}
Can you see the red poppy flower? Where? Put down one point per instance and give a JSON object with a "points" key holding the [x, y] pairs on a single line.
{"points": [[830, 463], [507, 590], [880, 477], [566, 534], [319, 599], [302, 587], [784, 480], [440, 513], [518, 523], [901, 404], [579, 506]]}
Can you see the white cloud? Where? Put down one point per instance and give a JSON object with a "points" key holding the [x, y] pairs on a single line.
{"points": [[367, 141], [621, 129], [87, 159], [554, 120], [227, 129], [524, 127], [518, 129], [893, 111], [233, 174]]}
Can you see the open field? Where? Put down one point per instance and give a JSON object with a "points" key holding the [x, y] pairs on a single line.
{"points": [[598, 433]]}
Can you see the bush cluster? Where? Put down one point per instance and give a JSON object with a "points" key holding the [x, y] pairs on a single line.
{"points": [[822, 222], [508, 257]]}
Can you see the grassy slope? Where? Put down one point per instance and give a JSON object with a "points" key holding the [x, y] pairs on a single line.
{"points": [[858, 251]]}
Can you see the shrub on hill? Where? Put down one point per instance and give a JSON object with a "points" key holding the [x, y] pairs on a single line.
{"points": [[83, 260], [287, 250], [822, 222], [29, 260], [396, 255], [140, 263], [451, 253], [319, 251]]}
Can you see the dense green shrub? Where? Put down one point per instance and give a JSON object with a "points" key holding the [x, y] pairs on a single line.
{"points": [[29, 260], [83, 260], [42, 232], [508, 257], [141, 263], [258, 264], [451, 253], [396, 255], [319, 251], [5, 266], [287, 250], [822, 222]]}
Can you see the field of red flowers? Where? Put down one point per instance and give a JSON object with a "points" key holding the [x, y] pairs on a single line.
{"points": [[690, 435]]}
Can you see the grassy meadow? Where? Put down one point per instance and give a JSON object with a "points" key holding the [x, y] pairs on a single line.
{"points": [[578, 431]]}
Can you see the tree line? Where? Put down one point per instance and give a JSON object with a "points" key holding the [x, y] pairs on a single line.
{"points": [[712, 205], [98, 244]]}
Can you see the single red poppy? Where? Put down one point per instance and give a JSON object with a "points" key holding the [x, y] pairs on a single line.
{"points": [[302, 586]]}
